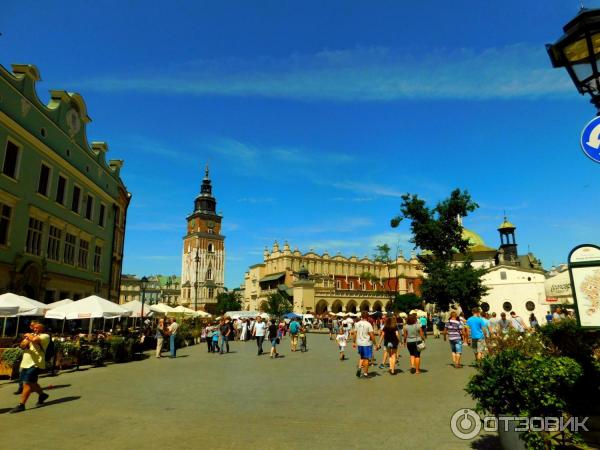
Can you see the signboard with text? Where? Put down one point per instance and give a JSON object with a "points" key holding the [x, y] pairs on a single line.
{"points": [[584, 269]]}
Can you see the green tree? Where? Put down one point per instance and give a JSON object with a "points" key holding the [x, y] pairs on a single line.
{"points": [[228, 301], [278, 304], [406, 302], [438, 232]]}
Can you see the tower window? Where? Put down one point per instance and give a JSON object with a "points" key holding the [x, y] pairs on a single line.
{"points": [[60, 189], [209, 274], [211, 247], [76, 200]]}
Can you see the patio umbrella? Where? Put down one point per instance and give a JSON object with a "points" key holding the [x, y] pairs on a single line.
{"points": [[161, 308], [340, 314], [26, 307], [135, 306], [53, 305], [91, 307]]}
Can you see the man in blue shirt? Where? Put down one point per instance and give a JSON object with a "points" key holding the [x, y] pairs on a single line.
{"points": [[478, 331]]}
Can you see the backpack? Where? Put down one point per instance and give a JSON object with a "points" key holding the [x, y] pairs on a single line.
{"points": [[50, 351]]}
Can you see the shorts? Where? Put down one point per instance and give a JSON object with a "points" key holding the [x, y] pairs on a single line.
{"points": [[274, 342], [456, 346], [29, 375], [478, 345], [413, 350], [342, 348], [365, 351], [391, 345]]}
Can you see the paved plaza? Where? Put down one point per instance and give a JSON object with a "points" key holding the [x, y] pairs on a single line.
{"points": [[240, 400]]}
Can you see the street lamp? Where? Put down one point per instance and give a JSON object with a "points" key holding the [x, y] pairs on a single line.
{"points": [[197, 261], [578, 51], [143, 285]]}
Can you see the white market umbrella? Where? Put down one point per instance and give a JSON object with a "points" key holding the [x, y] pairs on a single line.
{"points": [[403, 315], [308, 316], [135, 306], [27, 306], [340, 314], [200, 313], [264, 315], [53, 305], [7, 311], [161, 308], [182, 311], [92, 307]]}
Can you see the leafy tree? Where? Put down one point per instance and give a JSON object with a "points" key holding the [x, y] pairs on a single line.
{"points": [[438, 232], [406, 302], [228, 301], [278, 304]]}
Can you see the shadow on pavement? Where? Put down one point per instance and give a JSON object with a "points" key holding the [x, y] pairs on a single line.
{"points": [[51, 387], [487, 442], [60, 400]]}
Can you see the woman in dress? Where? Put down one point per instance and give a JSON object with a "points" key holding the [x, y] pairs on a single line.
{"points": [[390, 338], [244, 333]]}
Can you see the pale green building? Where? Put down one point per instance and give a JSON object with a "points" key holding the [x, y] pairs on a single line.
{"points": [[63, 206]]}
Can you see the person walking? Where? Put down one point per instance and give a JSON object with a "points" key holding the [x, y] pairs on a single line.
{"points": [[494, 325], [436, 328], [258, 332], [273, 338], [517, 322], [160, 337], [34, 347], [423, 322], [172, 330], [391, 339], [478, 331], [503, 324], [413, 336], [533, 322], [456, 333], [294, 332], [342, 341], [363, 337]]}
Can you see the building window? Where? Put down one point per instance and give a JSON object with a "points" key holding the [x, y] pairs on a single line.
{"points": [[102, 215], [211, 292], [44, 181], [351, 285], [54, 236], [89, 207], [82, 256], [11, 160], [362, 286], [76, 200], [503, 275], [485, 307], [69, 250], [338, 285], [34, 237], [507, 306], [209, 274], [5, 213], [211, 248], [210, 231], [530, 306], [61, 187]]}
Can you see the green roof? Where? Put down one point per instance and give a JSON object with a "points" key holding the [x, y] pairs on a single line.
{"points": [[273, 277]]}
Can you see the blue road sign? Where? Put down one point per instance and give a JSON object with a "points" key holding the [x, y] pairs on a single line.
{"points": [[590, 139]]}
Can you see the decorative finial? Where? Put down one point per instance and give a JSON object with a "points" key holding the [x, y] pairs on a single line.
{"points": [[206, 171]]}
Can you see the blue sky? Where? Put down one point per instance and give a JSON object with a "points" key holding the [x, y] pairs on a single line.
{"points": [[316, 116]]}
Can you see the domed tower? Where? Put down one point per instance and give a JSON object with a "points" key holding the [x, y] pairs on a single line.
{"points": [[507, 240], [203, 262]]}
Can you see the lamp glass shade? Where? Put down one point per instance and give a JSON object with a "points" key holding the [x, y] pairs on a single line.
{"points": [[144, 282]]}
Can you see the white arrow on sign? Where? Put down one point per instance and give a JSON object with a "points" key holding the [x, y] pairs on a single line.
{"points": [[594, 140]]}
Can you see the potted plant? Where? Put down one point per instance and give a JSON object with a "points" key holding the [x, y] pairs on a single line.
{"points": [[9, 361], [66, 354], [96, 355], [524, 376]]}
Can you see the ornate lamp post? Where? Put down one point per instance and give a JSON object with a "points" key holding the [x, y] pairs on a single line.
{"points": [[197, 261], [578, 51], [143, 285]]}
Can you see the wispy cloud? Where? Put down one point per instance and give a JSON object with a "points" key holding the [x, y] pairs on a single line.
{"points": [[339, 225], [354, 199], [254, 200], [366, 188], [359, 74]]}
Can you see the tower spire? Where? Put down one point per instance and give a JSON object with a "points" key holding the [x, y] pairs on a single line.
{"points": [[206, 172]]}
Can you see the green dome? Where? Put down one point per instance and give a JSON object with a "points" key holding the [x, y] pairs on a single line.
{"points": [[473, 238]]}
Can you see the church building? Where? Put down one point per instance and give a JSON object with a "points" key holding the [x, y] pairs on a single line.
{"points": [[203, 262]]}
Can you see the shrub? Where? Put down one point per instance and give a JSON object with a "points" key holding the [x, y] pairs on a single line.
{"points": [[12, 356]]}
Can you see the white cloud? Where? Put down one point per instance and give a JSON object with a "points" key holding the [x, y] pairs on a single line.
{"points": [[360, 74]]}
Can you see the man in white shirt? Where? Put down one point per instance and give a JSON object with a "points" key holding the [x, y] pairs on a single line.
{"points": [[172, 329], [259, 333], [363, 337]]}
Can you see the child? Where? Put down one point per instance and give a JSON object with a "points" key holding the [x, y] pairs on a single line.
{"points": [[342, 340], [215, 339]]}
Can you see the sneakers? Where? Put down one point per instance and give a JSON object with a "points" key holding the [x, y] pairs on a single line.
{"points": [[43, 397], [381, 366], [18, 391], [358, 372], [19, 408]]}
